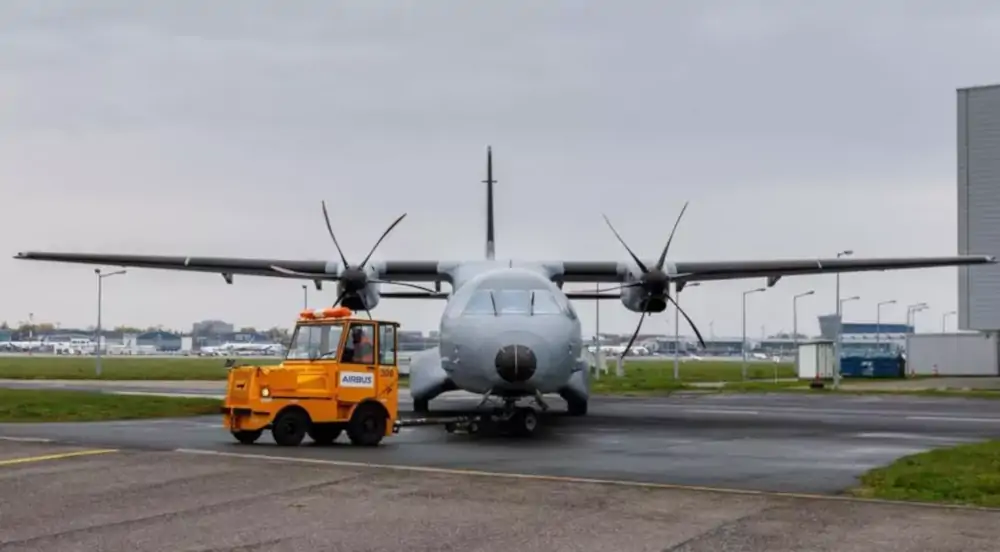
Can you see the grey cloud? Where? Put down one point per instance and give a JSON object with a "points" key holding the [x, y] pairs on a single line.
{"points": [[785, 114]]}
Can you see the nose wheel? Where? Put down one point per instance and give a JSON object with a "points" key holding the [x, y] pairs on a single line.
{"points": [[524, 422]]}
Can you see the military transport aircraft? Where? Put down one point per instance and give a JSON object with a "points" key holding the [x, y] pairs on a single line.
{"points": [[509, 330]]}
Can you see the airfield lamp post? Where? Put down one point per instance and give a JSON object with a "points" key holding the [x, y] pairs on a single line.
{"points": [[944, 320], [305, 296], [910, 316], [100, 290], [31, 332], [744, 347], [836, 342], [840, 313], [795, 325], [913, 315], [677, 329], [878, 322]]}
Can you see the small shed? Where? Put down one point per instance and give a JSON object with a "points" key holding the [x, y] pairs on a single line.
{"points": [[816, 359]]}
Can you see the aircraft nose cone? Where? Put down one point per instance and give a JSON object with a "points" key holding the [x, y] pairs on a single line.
{"points": [[516, 363]]}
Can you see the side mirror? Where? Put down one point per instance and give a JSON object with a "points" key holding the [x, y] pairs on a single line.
{"points": [[230, 362]]}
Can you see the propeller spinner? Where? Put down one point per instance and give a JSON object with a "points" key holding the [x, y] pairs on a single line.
{"points": [[353, 279], [654, 281]]}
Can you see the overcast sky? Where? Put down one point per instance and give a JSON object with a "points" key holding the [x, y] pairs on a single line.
{"points": [[796, 129]]}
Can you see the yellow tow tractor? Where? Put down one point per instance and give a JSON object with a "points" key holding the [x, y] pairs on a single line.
{"points": [[340, 375]]}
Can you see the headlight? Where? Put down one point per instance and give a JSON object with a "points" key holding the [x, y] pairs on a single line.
{"points": [[265, 392]]}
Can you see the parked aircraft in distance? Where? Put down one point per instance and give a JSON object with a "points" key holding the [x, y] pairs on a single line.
{"points": [[508, 330]]}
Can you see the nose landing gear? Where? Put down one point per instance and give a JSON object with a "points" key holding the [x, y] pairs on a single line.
{"points": [[509, 419]]}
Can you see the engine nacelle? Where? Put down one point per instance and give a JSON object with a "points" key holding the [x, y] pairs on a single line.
{"points": [[635, 298], [368, 296]]}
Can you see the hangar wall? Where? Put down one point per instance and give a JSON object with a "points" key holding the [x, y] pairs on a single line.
{"points": [[979, 205]]}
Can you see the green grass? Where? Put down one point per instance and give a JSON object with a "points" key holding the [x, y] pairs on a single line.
{"points": [[966, 474], [34, 405], [704, 371], [118, 368], [652, 377]]}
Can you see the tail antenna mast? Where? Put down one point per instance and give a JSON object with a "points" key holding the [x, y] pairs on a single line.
{"points": [[490, 232]]}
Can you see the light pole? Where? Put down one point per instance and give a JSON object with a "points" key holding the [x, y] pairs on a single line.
{"points": [[744, 347], [878, 323], [840, 335], [944, 320], [913, 315], [31, 332], [305, 296], [795, 325], [100, 286], [836, 343], [677, 326], [910, 310]]}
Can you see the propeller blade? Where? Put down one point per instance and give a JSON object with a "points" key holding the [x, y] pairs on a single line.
{"points": [[404, 284], [663, 256], [295, 273], [627, 248], [384, 234], [329, 228], [623, 286], [340, 298], [365, 305], [701, 340], [635, 334]]}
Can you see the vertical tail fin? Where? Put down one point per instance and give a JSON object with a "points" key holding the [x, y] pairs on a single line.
{"points": [[490, 235]]}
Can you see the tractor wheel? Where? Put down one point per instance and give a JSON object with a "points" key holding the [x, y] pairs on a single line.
{"points": [[367, 425]]}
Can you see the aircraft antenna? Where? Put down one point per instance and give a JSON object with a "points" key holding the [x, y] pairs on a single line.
{"points": [[490, 233]]}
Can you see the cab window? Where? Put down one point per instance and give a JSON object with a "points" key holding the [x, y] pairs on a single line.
{"points": [[387, 345], [314, 342], [359, 347]]}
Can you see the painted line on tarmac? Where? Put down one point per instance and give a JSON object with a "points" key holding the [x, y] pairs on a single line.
{"points": [[26, 439], [576, 480], [166, 394], [954, 419], [914, 437], [720, 411], [791, 410], [60, 456]]}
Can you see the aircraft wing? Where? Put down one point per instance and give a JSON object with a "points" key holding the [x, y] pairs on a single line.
{"points": [[684, 271], [426, 271], [726, 270]]}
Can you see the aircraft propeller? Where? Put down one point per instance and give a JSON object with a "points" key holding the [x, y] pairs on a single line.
{"points": [[353, 279], [654, 281]]}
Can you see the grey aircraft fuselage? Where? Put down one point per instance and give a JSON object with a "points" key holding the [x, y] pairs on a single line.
{"points": [[506, 330]]}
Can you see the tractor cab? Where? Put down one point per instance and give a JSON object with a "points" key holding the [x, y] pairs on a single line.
{"points": [[340, 374]]}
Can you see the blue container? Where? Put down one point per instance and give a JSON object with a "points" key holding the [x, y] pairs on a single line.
{"points": [[870, 367]]}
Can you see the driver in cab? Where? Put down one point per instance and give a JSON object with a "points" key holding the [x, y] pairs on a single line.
{"points": [[359, 349]]}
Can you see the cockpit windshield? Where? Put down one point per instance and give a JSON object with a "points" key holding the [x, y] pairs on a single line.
{"points": [[529, 302], [315, 341]]}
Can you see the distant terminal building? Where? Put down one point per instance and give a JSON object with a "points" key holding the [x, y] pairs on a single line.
{"points": [[211, 327], [866, 338], [166, 342]]}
